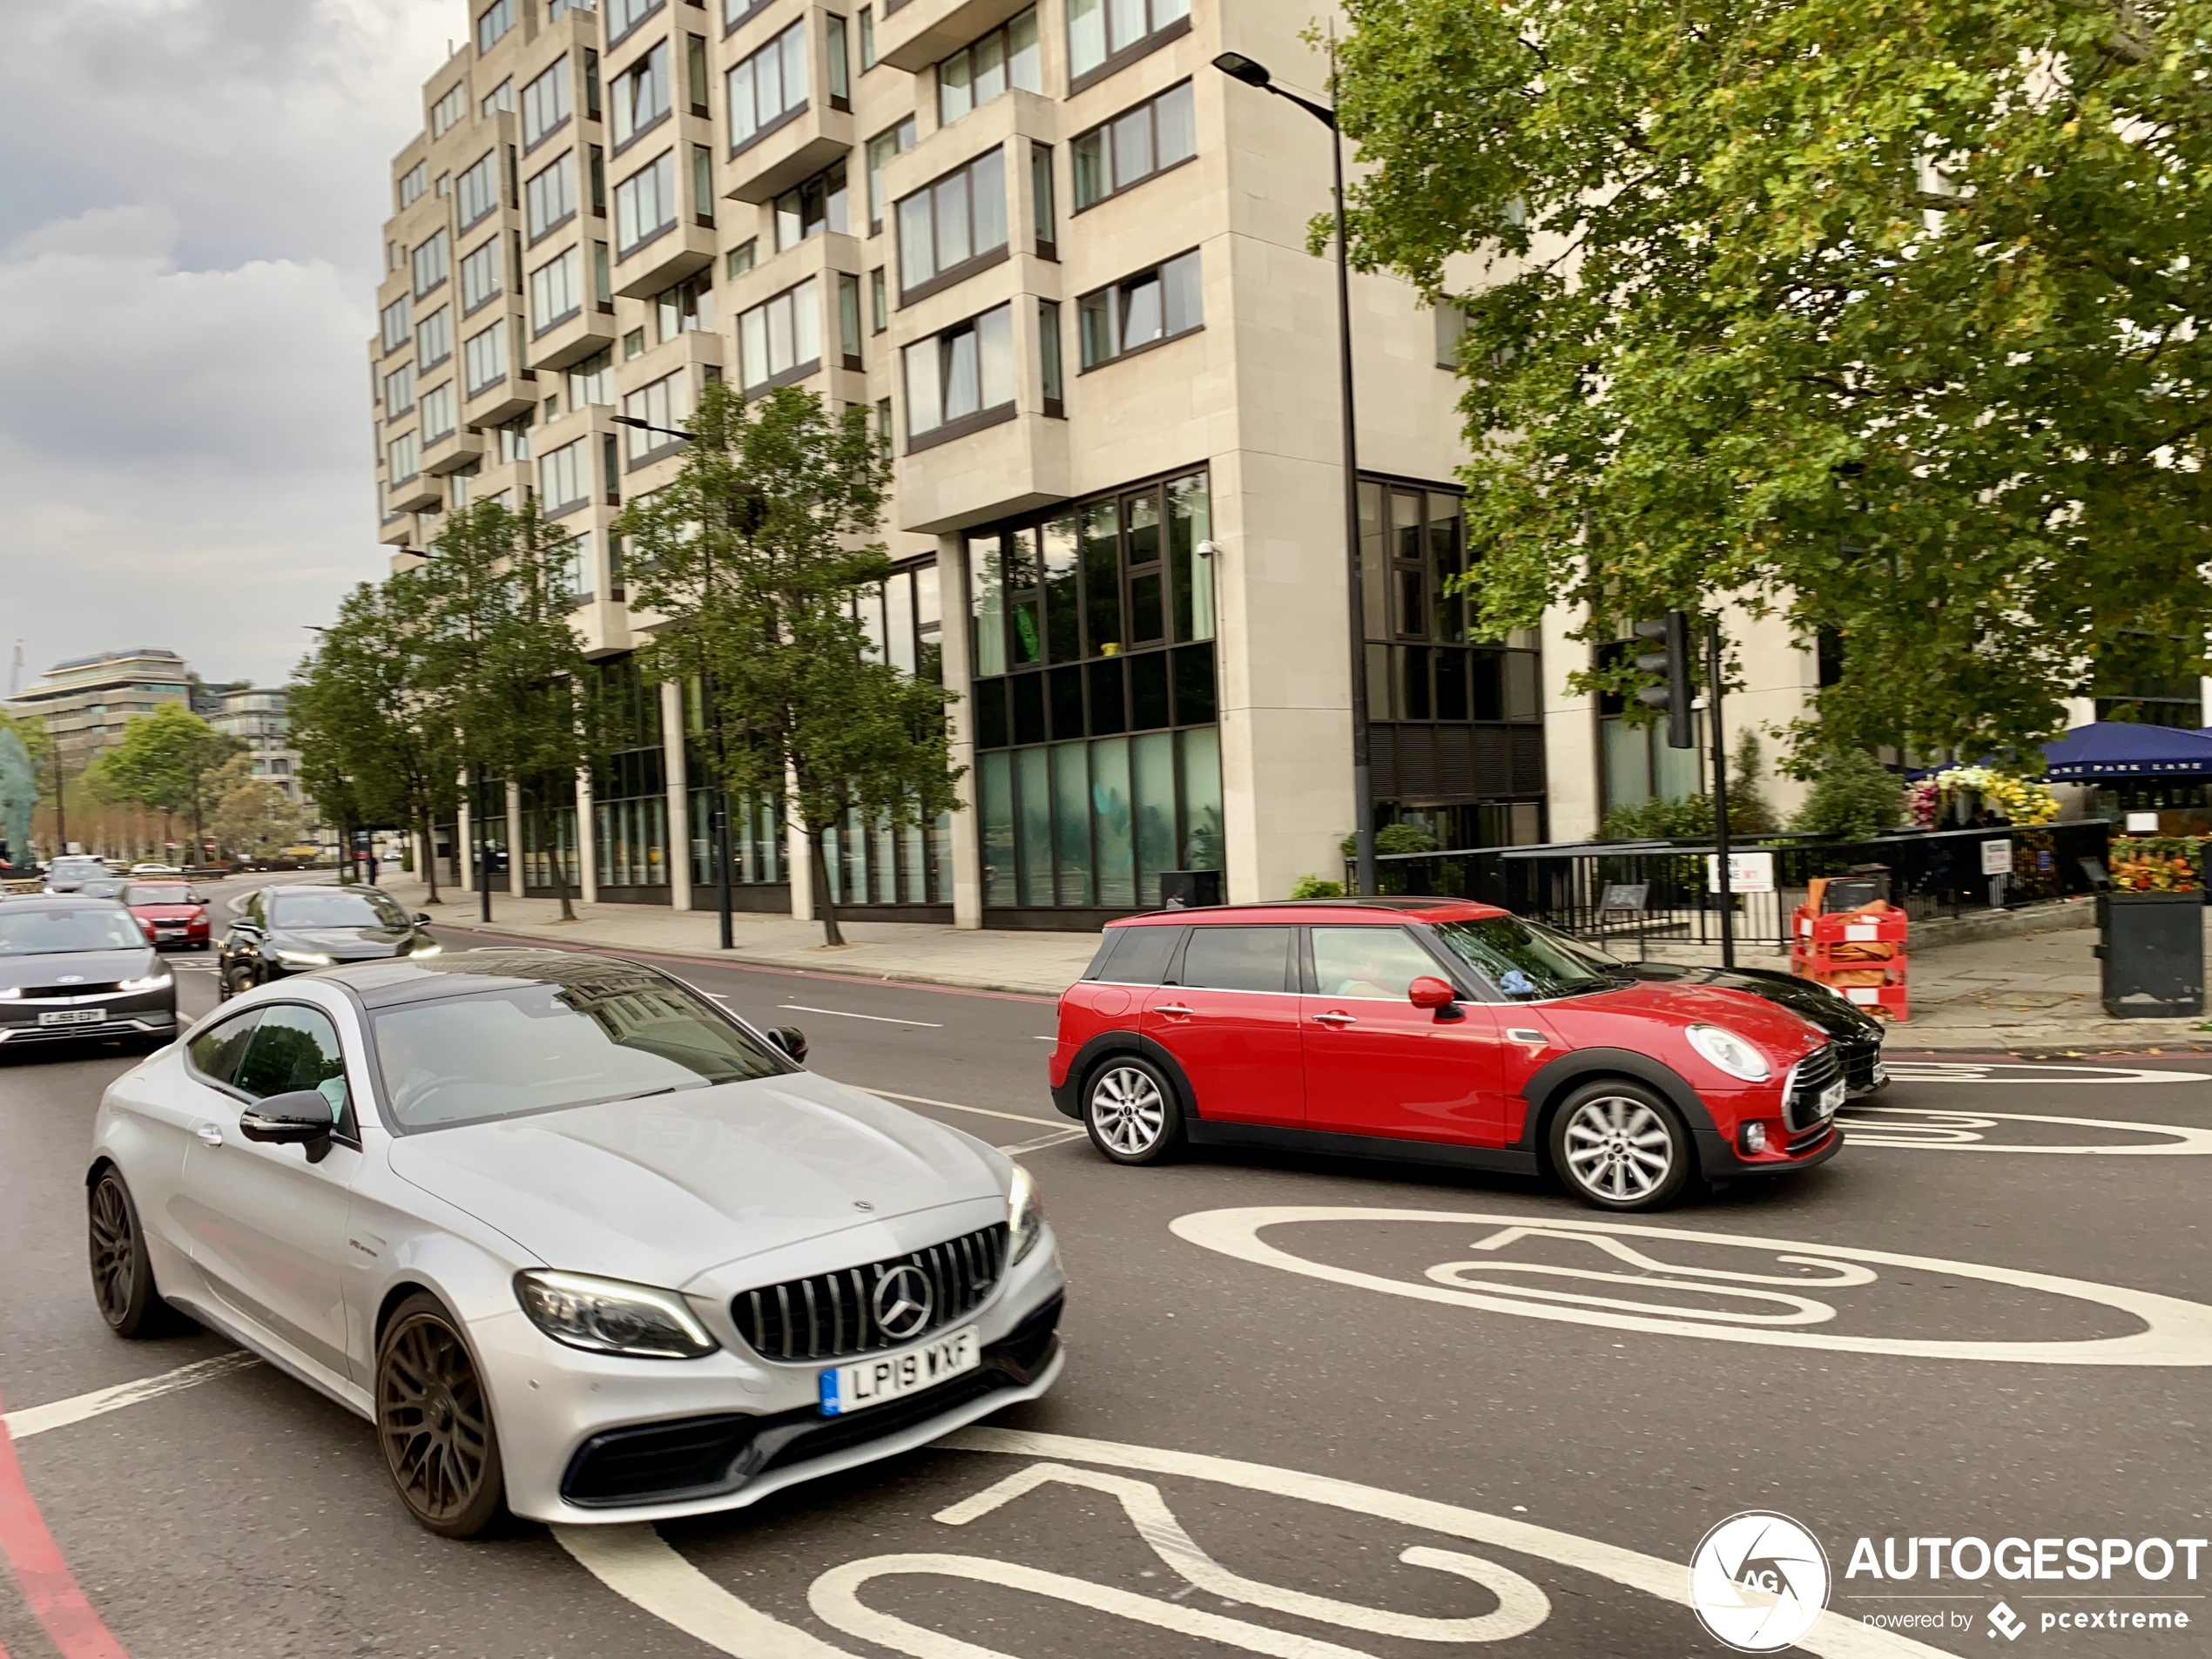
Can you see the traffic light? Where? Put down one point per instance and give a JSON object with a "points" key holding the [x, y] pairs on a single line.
{"points": [[1671, 633]]}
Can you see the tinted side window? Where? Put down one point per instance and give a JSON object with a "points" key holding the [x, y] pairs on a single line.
{"points": [[1378, 962], [1237, 959], [216, 1051], [1140, 956], [296, 1048]]}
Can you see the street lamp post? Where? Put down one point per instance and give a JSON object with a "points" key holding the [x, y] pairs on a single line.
{"points": [[1238, 67]]}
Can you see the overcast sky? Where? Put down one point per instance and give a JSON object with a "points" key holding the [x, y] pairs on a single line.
{"points": [[188, 257]]}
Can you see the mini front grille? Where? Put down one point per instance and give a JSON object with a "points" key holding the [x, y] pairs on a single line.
{"points": [[1809, 1080], [829, 1315]]}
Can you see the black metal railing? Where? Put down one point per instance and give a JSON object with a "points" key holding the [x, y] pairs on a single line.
{"points": [[1627, 894]]}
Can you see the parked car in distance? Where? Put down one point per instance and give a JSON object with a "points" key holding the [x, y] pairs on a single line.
{"points": [[72, 870], [614, 1255], [277, 931], [73, 969], [1435, 1030], [156, 869], [172, 913]]}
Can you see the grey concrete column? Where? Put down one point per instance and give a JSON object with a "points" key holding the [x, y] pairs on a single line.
{"points": [[514, 840], [587, 837], [800, 858], [464, 830], [679, 795]]}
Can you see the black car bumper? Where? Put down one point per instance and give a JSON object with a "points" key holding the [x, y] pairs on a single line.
{"points": [[1719, 1161]]}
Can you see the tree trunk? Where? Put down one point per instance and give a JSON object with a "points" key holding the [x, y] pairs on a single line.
{"points": [[545, 839], [430, 859], [825, 905]]}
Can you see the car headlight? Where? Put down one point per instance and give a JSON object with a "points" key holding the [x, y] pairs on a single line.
{"points": [[1024, 1216], [304, 958], [426, 950], [8, 994], [1730, 1053], [151, 982], [609, 1315]]}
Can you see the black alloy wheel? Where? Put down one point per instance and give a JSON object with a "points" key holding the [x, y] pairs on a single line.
{"points": [[122, 1274], [433, 1422]]}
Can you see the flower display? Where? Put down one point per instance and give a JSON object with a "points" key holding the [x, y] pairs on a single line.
{"points": [[2157, 863], [2022, 801]]}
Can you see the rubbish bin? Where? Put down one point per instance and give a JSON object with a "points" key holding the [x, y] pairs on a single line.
{"points": [[1190, 889], [2152, 947]]}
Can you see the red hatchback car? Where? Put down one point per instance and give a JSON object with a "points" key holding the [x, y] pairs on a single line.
{"points": [[169, 912], [1438, 1030]]}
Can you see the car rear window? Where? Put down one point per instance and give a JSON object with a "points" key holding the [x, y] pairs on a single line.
{"points": [[1137, 955], [1237, 959]]}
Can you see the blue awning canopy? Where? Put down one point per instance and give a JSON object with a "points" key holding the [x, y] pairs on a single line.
{"points": [[2107, 750]]}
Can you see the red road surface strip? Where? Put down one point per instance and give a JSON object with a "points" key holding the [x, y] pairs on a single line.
{"points": [[48, 1585]]}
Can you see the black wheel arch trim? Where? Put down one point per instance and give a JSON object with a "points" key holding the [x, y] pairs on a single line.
{"points": [[1067, 1099], [1557, 1077]]}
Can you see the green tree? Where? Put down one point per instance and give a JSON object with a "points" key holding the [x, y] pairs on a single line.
{"points": [[754, 554], [1853, 796], [252, 815], [166, 761], [1886, 317]]}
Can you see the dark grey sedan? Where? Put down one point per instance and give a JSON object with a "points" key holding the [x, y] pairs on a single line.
{"points": [[285, 930], [73, 969]]}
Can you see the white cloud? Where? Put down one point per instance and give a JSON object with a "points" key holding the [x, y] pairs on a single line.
{"points": [[186, 293]]}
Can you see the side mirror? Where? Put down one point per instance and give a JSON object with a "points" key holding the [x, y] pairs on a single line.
{"points": [[1429, 993], [790, 1040], [302, 1117]]}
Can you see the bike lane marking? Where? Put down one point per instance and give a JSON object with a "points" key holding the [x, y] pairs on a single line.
{"points": [[1943, 1131], [1984, 1072]]}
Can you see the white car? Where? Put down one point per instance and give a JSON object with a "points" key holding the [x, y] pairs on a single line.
{"points": [[573, 1238]]}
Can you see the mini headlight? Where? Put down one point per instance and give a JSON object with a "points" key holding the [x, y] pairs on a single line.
{"points": [[608, 1316], [304, 958], [1730, 1053], [151, 982], [1024, 1216]]}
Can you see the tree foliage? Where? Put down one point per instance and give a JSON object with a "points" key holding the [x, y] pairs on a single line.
{"points": [[754, 554], [1883, 314], [252, 815], [166, 761]]}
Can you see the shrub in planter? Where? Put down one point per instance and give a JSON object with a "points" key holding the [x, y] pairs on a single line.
{"points": [[2152, 927]]}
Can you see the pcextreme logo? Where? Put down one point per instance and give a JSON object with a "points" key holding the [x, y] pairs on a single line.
{"points": [[1759, 1581]]}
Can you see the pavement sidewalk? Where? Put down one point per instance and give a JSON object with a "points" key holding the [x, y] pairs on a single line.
{"points": [[2036, 994]]}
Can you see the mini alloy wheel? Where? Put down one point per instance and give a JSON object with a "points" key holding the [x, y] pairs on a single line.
{"points": [[435, 1422], [1130, 1110], [121, 1275], [1620, 1147]]}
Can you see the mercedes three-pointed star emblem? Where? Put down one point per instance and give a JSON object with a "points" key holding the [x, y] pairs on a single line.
{"points": [[902, 1302]]}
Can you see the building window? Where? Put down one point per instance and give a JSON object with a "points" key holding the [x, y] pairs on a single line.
{"points": [[445, 113], [867, 39], [1144, 310], [399, 391], [946, 226], [702, 184], [811, 207], [848, 319], [981, 69], [564, 478], [501, 100], [881, 149], [645, 204], [480, 279], [398, 330], [1040, 193], [484, 360], [592, 380], [404, 458], [545, 105], [780, 340], [494, 23], [514, 445], [413, 183], [963, 378], [697, 80], [478, 194], [1157, 134], [686, 308], [556, 290], [665, 404], [438, 413], [603, 278], [769, 87], [1451, 323], [549, 200], [623, 15], [434, 338], [1099, 31], [741, 259], [1048, 357], [879, 302], [576, 571], [430, 265], [641, 96], [633, 344], [835, 63]]}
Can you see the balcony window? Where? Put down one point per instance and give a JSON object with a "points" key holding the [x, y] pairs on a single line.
{"points": [[564, 478], [867, 39], [402, 458], [741, 258], [501, 100], [946, 226], [430, 265], [781, 339], [807, 209], [438, 413], [483, 359], [592, 380], [697, 78], [848, 319], [445, 113], [702, 185], [493, 23], [645, 204], [545, 103], [576, 570], [1100, 31], [514, 445], [556, 290], [549, 200], [623, 15], [981, 69], [881, 148], [664, 403], [1048, 374], [478, 192], [1143, 310], [769, 87], [1157, 134], [482, 280], [963, 377], [413, 183], [641, 95], [554, 8], [398, 328], [879, 302], [399, 391], [836, 65], [434, 338], [686, 308]]}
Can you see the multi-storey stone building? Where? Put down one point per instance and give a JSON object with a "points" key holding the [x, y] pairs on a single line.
{"points": [[1062, 259]]}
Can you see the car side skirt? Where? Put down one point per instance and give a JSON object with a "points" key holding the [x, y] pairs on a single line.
{"points": [[1503, 1160]]}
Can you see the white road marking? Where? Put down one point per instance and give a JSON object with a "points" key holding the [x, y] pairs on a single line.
{"points": [[1044, 1039], [60, 1413], [1059, 1138], [846, 1013], [954, 1106], [2177, 1332], [1943, 1131], [2023, 1071], [635, 1563]]}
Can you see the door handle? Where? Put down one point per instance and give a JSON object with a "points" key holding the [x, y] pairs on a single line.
{"points": [[1334, 1019], [210, 1133], [1179, 1010]]}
